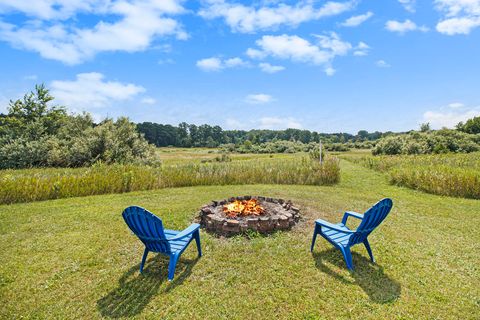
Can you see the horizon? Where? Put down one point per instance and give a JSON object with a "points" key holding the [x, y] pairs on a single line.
{"points": [[324, 66]]}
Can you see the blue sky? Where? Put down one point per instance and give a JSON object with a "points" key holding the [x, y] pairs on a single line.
{"points": [[328, 66]]}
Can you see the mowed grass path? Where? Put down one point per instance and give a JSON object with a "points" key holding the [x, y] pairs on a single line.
{"points": [[75, 258]]}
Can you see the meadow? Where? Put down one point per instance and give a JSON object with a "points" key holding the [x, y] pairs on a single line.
{"points": [[177, 171], [75, 258], [456, 175]]}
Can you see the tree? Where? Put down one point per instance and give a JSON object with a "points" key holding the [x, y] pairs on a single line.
{"points": [[425, 127], [472, 126], [31, 115], [35, 134], [362, 135]]}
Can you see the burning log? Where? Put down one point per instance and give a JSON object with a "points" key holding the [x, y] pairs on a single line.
{"points": [[242, 208]]}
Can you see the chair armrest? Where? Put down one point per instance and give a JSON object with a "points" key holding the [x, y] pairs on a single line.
{"points": [[351, 214], [185, 233], [332, 226]]}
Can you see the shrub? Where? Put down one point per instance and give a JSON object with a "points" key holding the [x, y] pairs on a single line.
{"points": [[440, 141], [471, 126], [35, 135]]}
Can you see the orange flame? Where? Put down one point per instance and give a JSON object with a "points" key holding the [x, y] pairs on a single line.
{"points": [[243, 208]]}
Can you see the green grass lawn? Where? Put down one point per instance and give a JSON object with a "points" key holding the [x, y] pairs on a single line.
{"points": [[75, 258], [173, 155]]}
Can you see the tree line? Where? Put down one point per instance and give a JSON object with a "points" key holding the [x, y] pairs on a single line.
{"points": [[191, 135]]}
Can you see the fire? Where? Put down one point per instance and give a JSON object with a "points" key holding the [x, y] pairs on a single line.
{"points": [[240, 208]]}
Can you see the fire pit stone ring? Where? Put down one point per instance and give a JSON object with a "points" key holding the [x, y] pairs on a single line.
{"points": [[236, 215]]}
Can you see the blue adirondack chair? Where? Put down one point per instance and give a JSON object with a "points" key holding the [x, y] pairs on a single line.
{"points": [[343, 238], [149, 229]]}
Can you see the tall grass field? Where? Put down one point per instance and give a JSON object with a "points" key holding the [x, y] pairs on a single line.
{"points": [[456, 175], [43, 184]]}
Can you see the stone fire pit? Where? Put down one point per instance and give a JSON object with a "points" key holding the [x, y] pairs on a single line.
{"points": [[274, 214]]}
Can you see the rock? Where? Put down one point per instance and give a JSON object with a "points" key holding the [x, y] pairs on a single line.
{"points": [[252, 224], [283, 223], [232, 223], [231, 226], [264, 224], [209, 225]]}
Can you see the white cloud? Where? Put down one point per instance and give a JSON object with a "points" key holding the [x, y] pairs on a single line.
{"points": [[403, 27], [329, 71], [459, 16], [210, 64], [4, 103], [259, 98], [382, 64], [297, 49], [249, 19], [166, 61], [361, 49], [233, 123], [128, 26], [234, 62], [51, 9], [217, 64], [268, 68], [255, 53], [449, 118], [454, 26], [148, 100], [30, 77], [276, 123], [90, 90], [409, 5], [357, 20], [456, 105], [272, 123]]}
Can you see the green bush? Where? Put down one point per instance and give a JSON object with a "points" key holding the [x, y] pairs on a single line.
{"points": [[337, 147], [277, 146], [35, 135], [471, 126], [440, 141]]}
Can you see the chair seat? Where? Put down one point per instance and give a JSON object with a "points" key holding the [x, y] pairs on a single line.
{"points": [[336, 236], [177, 245]]}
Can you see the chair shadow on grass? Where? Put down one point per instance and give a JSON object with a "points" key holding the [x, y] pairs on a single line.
{"points": [[136, 290], [369, 276]]}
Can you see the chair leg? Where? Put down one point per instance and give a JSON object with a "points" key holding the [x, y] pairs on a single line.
{"points": [[144, 258], [196, 235], [347, 255], [171, 266], [315, 233], [369, 250]]}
